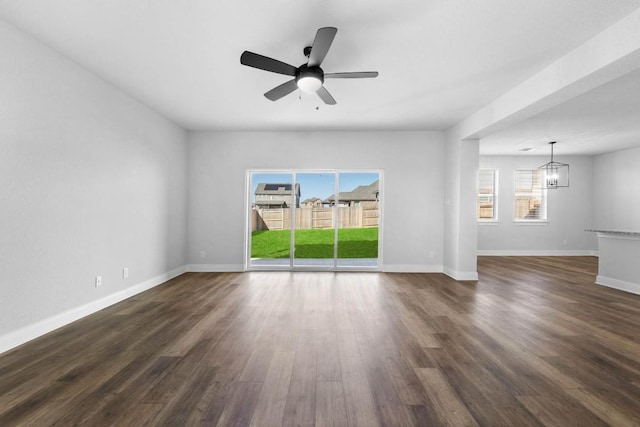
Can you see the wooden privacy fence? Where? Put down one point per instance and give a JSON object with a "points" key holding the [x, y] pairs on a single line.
{"points": [[365, 215]]}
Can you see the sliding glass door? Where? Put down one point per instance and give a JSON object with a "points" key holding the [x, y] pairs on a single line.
{"points": [[319, 220], [358, 214], [270, 219], [314, 235]]}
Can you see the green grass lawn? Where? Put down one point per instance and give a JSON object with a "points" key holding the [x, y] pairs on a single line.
{"points": [[352, 243]]}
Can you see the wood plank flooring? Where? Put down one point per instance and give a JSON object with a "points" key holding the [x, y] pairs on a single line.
{"points": [[533, 342]]}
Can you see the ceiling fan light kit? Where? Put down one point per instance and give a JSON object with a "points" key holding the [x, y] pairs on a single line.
{"points": [[308, 77]]}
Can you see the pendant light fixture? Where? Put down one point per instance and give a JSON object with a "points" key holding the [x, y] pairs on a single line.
{"points": [[556, 174]]}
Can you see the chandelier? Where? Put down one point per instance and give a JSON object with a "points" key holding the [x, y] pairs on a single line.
{"points": [[556, 174]]}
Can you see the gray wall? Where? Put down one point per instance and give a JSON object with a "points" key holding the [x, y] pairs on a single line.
{"points": [[91, 181], [412, 193], [616, 189], [569, 212]]}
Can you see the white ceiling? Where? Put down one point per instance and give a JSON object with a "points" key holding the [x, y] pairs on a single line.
{"points": [[439, 60], [602, 120]]}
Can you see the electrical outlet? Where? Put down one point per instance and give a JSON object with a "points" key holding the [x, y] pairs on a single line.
{"points": [[125, 272], [202, 254], [98, 281]]}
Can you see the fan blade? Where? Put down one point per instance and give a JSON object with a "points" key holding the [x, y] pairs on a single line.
{"points": [[265, 63], [326, 96], [321, 45], [354, 75], [282, 90]]}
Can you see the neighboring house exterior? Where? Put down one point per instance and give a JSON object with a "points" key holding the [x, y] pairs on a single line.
{"points": [[275, 196], [313, 202], [363, 193]]}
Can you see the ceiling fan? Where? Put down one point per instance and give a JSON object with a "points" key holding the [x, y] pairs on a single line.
{"points": [[308, 77]]}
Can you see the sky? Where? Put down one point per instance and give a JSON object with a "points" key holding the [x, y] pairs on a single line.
{"points": [[319, 185]]}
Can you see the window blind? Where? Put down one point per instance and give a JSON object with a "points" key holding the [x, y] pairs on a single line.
{"points": [[530, 197], [486, 207]]}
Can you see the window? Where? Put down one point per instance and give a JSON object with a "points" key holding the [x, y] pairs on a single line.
{"points": [[487, 207], [530, 198]]}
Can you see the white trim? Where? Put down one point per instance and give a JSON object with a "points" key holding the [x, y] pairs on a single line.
{"points": [[214, 268], [530, 252], [621, 285], [411, 268], [248, 215], [531, 222], [461, 275], [30, 332]]}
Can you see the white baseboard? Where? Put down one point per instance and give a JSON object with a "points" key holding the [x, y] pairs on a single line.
{"points": [[526, 252], [461, 275], [621, 285], [27, 333], [214, 268], [411, 268]]}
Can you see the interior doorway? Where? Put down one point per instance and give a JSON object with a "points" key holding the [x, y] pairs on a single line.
{"points": [[314, 220]]}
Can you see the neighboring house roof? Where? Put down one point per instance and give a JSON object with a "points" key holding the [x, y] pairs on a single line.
{"points": [[361, 193], [280, 189], [312, 200]]}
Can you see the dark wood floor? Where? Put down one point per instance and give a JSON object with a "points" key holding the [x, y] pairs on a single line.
{"points": [[534, 342]]}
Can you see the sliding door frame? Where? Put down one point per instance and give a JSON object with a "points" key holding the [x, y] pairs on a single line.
{"points": [[292, 267]]}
